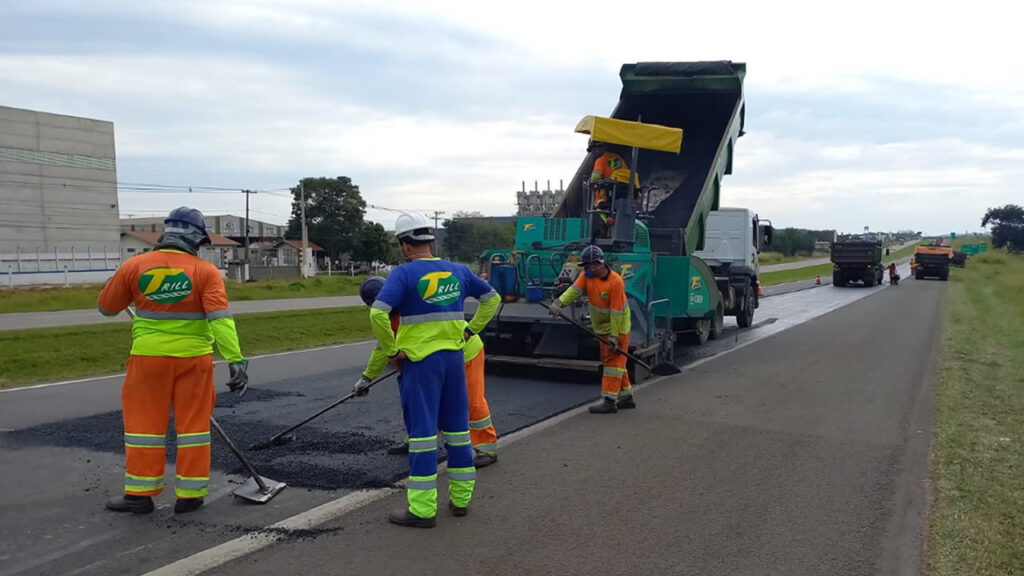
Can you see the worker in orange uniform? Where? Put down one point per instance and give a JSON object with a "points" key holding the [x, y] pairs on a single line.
{"points": [[181, 310], [609, 316], [481, 430], [607, 166]]}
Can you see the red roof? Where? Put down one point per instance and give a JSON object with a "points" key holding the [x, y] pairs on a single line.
{"points": [[297, 244], [152, 237]]}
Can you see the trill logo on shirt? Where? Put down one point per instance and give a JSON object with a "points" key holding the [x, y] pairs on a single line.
{"points": [[439, 288], [165, 285]]}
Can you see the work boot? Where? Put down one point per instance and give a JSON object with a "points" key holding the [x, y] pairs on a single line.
{"points": [[457, 511], [399, 449], [625, 403], [406, 518], [129, 503], [483, 459], [185, 505], [607, 406]]}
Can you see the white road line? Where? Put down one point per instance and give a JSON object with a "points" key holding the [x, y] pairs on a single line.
{"points": [[95, 378], [243, 545], [258, 540]]}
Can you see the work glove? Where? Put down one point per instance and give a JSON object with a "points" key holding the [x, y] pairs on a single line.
{"points": [[613, 341], [556, 308], [239, 377], [362, 386]]}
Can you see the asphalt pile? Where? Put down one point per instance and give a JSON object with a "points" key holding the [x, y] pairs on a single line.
{"points": [[317, 458]]}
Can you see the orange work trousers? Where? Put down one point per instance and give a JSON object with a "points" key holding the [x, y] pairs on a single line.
{"points": [[153, 385], [481, 430], [615, 382]]}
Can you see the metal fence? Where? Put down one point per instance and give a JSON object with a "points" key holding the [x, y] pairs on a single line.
{"points": [[236, 272], [59, 260]]}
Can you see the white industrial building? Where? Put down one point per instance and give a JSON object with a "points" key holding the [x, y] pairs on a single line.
{"points": [[58, 198]]}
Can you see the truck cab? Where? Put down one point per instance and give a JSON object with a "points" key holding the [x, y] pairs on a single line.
{"points": [[733, 239]]}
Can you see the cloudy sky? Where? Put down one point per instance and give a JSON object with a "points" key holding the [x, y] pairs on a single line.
{"points": [[897, 114]]}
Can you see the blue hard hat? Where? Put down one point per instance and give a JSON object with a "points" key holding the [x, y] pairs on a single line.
{"points": [[369, 289], [190, 216], [592, 254]]}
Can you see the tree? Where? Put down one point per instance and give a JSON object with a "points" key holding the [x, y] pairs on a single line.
{"points": [[1007, 227], [375, 244], [789, 241], [467, 234], [334, 214]]}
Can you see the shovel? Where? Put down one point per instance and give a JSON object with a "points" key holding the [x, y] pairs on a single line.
{"points": [[662, 369], [256, 488], [282, 437]]}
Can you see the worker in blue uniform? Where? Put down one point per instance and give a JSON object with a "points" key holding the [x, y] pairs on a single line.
{"points": [[428, 349]]}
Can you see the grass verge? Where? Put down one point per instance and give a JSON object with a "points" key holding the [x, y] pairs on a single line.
{"points": [[976, 524], [49, 354], [50, 299]]}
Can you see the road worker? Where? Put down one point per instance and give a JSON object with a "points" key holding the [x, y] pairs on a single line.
{"points": [[481, 429], [607, 166], [181, 310], [609, 316], [432, 332]]}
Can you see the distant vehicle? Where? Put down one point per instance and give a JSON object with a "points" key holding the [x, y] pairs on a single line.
{"points": [[855, 260], [933, 261]]}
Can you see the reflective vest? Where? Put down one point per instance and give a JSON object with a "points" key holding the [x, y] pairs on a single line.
{"points": [[181, 307]]}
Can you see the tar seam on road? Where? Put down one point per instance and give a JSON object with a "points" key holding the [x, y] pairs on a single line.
{"points": [[303, 351]]}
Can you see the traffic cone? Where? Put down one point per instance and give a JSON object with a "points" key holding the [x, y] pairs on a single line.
{"points": [[760, 291], [817, 280]]}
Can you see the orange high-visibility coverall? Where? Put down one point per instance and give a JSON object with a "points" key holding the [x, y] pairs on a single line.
{"points": [[181, 309]]}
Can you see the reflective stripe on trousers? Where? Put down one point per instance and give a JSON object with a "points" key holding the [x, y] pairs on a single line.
{"points": [[152, 385]]}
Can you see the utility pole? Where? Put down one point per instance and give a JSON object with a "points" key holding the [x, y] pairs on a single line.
{"points": [[247, 194], [305, 237], [437, 245]]}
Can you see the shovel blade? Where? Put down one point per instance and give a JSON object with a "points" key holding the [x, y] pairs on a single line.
{"points": [[250, 490], [665, 369]]}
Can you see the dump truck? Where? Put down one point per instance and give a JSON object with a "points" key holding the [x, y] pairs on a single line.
{"points": [[687, 262], [856, 260], [932, 261]]}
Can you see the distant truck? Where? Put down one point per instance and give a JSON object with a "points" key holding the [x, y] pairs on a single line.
{"points": [[932, 261], [856, 260]]}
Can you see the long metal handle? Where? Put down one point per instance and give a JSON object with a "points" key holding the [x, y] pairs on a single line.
{"points": [[238, 454], [599, 338], [336, 403]]}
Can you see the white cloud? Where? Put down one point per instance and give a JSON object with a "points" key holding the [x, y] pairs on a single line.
{"points": [[229, 109]]}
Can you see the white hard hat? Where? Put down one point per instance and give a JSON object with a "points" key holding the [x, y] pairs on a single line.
{"points": [[408, 223]]}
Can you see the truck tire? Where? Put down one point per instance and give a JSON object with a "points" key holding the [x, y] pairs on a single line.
{"points": [[869, 281], [837, 279], [944, 275], [700, 332], [717, 322], [746, 316]]}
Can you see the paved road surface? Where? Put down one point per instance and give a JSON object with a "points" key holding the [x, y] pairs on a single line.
{"points": [[52, 522], [805, 453]]}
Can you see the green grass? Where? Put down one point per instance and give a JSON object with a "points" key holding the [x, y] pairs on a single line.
{"points": [[769, 258], [977, 518], [49, 299], [794, 274], [48, 354]]}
